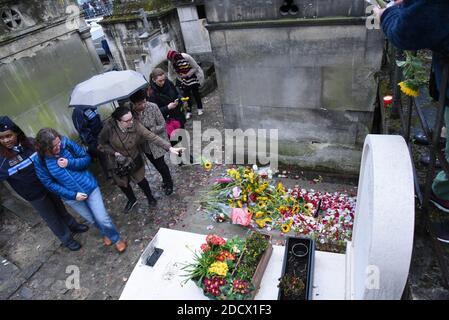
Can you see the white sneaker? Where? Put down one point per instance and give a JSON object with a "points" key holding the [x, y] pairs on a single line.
{"points": [[200, 112], [188, 115]]}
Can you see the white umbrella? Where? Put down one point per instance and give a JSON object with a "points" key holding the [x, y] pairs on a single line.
{"points": [[107, 87]]}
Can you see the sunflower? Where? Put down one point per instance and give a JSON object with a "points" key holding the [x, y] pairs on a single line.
{"points": [[260, 214], [262, 204], [262, 222], [280, 188], [286, 228], [295, 209], [207, 165], [408, 90], [308, 206]]}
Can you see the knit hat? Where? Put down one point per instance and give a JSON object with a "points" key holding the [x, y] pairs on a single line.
{"points": [[6, 124], [171, 54]]}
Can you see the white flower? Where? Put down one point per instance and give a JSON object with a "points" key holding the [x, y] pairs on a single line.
{"points": [[255, 168]]}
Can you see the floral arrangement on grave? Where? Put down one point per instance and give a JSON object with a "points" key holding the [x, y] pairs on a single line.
{"points": [[415, 74], [224, 269], [247, 197], [292, 287]]}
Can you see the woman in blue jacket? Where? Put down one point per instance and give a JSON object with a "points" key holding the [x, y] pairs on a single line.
{"points": [[16, 168], [61, 166]]}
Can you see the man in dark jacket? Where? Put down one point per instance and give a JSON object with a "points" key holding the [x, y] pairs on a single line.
{"points": [[88, 124], [423, 24]]}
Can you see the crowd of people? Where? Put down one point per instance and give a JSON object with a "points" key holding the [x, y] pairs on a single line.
{"points": [[51, 170]]}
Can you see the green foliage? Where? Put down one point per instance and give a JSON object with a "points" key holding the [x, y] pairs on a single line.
{"points": [[255, 246], [414, 71], [292, 287]]}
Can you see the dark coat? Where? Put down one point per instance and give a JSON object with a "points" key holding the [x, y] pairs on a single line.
{"points": [[21, 176], [163, 96], [112, 140], [88, 124], [420, 24]]}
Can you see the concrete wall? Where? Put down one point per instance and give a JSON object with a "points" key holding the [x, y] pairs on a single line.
{"points": [[313, 79], [249, 10], [41, 62]]}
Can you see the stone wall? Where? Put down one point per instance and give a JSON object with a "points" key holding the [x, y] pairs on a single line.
{"points": [[41, 60], [142, 44], [312, 78], [196, 36]]}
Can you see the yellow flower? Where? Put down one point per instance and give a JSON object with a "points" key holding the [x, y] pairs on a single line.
{"points": [[262, 204], [239, 204], [262, 187], [219, 268], [286, 227], [244, 198], [295, 209], [308, 206], [232, 173], [262, 198], [280, 188], [207, 165], [407, 90], [184, 99], [262, 222], [260, 214]]}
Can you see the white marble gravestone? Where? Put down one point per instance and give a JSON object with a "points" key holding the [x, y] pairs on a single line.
{"points": [[376, 263]]}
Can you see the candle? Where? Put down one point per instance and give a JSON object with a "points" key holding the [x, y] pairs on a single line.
{"points": [[387, 101]]}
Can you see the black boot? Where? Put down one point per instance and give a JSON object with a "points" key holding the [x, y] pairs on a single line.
{"points": [[73, 245], [80, 228], [144, 185], [132, 201]]}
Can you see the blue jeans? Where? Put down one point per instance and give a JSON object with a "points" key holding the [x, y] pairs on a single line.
{"points": [[93, 210]]}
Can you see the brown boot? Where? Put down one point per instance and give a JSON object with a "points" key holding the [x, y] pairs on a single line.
{"points": [[120, 246], [107, 242]]}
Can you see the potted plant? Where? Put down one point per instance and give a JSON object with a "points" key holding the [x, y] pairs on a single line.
{"points": [[230, 269], [297, 272]]}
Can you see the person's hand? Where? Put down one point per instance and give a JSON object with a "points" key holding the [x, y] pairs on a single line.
{"points": [[119, 157], [177, 151], [81, 196], [378, 12], [63, 162], [173, 105]]}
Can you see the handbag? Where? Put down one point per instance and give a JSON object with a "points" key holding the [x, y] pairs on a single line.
{"points": [[125, 165], [171, 125]]}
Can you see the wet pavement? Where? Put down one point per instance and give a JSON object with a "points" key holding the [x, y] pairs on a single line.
{"points": [[34, 266]]}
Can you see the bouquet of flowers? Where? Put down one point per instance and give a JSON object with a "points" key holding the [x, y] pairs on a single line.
{"points": [[224, 269], [248, 198]]}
